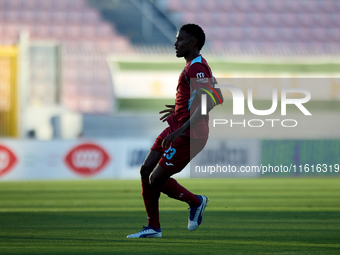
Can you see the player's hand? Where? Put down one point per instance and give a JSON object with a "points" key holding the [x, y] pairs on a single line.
{"points": [[170, 139], [168, 112]]}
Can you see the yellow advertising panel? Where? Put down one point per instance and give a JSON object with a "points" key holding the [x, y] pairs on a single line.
{"points": [[8, 91]]}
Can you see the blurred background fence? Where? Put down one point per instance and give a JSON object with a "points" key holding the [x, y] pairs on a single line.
{"points": [[102, 69]]}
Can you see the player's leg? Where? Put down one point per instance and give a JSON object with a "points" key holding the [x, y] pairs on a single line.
{"points": [[161, 179], [173, 161], [150, 197], [149, 193]]}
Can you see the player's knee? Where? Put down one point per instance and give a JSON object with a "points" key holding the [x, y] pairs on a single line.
{"points": [[157, 181], [153, 181], [145, 171]]}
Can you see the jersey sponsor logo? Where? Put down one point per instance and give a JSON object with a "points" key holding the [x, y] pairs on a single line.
{"points": [[169, 164], [87, 159], [7, 160], [201, 79], [200, 75]]}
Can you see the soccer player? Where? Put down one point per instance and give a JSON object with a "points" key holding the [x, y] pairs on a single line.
{"points": [[171, 150]]}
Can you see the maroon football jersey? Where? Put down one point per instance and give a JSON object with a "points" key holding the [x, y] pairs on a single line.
{"points": [[185, 95]]}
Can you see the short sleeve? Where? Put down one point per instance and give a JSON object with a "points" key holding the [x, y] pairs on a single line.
{"points": [[199, 76]]}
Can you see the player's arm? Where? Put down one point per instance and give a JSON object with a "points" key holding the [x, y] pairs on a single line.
{"points": [[168, 112], [193, 120], [201, 83], [197, 116]]}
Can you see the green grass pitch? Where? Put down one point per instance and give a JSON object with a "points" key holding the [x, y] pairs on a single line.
{"points": [[244, 216], [227, 66]]}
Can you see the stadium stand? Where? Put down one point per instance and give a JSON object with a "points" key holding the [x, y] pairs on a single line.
{"points": [[88, 30], [85, 40], [299, 27]]}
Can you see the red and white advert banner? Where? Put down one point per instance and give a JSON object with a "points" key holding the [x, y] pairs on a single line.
{"points": [[87, 159], [7, 160], [74, 159], [53, 160]]}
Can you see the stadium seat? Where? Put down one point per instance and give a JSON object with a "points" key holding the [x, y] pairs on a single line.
{"points": [[285, 34], [326, 6], [40, 32], [219, 19], [253, 34], [104, 32], [90, 17], [242, 6], [303, 20], [216, 32], [27, 17], [269, 34], [303, 34], [58, 32], [308, 6], [11, 30], [42, 17], [255, 19], [76, 4], [204, 18], [45, 5], [190, 17], [13, 4], [88, 32], [28, 5], [74, 18], [238, 19], [225, 6], [234, 33], [334, 20], [292, 6], [271, 19], [174, 5], [61, 5], [275, 6], [211, 7], [333, 34], [289, 20], [320, 20], [59, 17], [73, 32], [259, 6], [11, 17]]}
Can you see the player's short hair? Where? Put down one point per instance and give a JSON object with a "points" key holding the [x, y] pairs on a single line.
{"points": [[196, 31]]}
